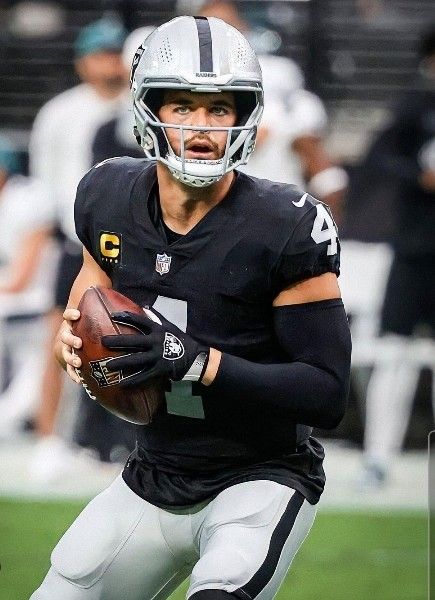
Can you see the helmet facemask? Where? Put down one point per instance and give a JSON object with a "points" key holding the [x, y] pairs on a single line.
{"points": [[240, 139], [199, 55]]}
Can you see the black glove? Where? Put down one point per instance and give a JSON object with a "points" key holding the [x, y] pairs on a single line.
{"points": [[157, 351]]}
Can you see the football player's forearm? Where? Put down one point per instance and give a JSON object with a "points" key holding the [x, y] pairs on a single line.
{"points": [[309, 395], [313, 386]]}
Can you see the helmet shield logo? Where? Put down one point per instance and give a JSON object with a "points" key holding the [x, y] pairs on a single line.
{"points": [[163, 263]]}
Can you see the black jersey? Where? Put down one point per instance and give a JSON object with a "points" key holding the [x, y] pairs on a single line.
{"points": [[218, 283], [107, 142], [401, 153]]}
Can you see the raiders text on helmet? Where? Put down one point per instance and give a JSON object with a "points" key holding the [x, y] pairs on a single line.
{"points": [[201, 55]]}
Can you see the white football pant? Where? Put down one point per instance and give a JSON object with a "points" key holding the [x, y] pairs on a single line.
{"points": [[122, 547], [24, 342], [390, 396]]}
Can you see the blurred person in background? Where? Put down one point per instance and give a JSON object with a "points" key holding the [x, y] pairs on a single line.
{"points": [[112, 438], [60, 153], [405, 152], [25, 293], [115, 137], [290, 146]]}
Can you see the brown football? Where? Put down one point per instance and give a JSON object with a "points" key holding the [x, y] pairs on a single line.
{"points": [[135, 404]]}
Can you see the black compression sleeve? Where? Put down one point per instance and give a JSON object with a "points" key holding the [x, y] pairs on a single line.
{"points": [[313, 386]]}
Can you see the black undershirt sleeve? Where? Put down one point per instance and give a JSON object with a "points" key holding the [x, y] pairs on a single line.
{"points": [[312, 387]]}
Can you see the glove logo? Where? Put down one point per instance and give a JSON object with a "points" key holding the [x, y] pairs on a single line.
{"points": [[172, 347]]}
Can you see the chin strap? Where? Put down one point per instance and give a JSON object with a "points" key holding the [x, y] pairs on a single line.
{"points": [[202, 173], [192, 180]]}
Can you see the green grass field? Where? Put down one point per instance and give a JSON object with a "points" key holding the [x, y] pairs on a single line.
{"points": [[348, 556]]}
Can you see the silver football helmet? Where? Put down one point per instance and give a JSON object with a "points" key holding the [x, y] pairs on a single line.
{"points": [[201, 55]]}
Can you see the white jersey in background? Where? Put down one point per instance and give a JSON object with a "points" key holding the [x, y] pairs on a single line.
{"points": [[290, 112], [24, 208], [60, 147]]}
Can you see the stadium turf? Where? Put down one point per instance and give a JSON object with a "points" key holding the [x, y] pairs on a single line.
{"points": [[348, 556]]}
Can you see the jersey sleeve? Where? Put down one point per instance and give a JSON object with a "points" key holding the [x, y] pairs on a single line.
{"points": [[82, 214], [311, 249], [101, 198]]}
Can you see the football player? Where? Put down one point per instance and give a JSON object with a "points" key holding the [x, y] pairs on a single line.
{"points": [[404, 155], [242, 273], [60, 153]]}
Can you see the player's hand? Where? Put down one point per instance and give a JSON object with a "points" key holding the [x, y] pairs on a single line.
{"points": [[69, 342], [159, 350]]}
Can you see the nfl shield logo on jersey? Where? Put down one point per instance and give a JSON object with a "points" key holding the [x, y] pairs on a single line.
{"points": [[163, 263], [172, 347]]}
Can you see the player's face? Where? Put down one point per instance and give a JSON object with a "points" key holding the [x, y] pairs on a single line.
{"points": [[205, 110]]}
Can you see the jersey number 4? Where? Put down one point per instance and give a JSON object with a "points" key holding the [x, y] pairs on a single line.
{"points": [[181, 400], [324, 229]]}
